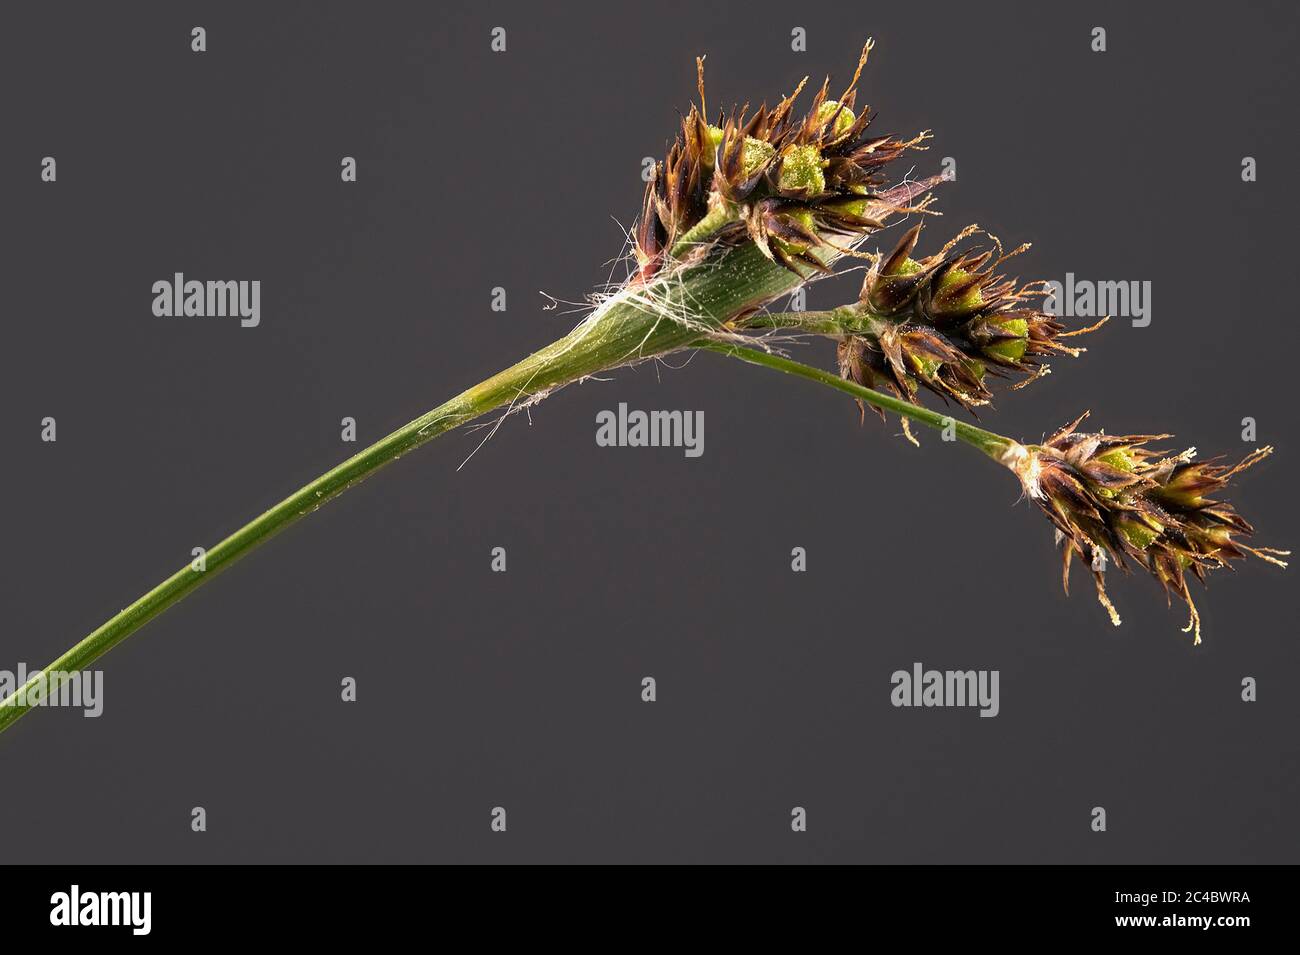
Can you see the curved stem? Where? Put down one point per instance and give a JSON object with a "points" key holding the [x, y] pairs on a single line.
{"points": [[518, 381], [994, 445], [624, 332], [641, 322]]}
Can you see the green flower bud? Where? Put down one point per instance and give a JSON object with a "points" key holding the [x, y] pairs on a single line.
{"points": [[957, 294], [1187, 485], [1009, 349], [904, 267], [852, 207], [922, 365], [894, 282], [1138, 532], [843, 119], [1119, 458], [804, 218], [754, 155], [801, 171]]}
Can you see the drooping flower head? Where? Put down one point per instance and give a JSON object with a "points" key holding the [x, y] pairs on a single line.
{"points": [[1111, 497], [787, 182]]}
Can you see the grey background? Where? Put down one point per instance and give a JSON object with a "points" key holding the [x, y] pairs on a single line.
{"points": [[522, 690]]}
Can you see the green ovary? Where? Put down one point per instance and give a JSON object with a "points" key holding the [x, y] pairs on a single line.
{"points": [[971, 299], [805, 218], [1139, 535], [1118, 458], [801, 171], [925, 367], [1012, 349], [754, 155], [843, 120]]}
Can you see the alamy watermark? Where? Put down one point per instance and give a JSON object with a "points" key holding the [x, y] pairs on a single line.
{"points": [[922, 687], [651, 429], [75, 907], [1084, 298], [191, 298], [81, 688]]}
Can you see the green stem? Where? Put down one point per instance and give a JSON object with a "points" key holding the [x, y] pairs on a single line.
{"points": [[722, 214], [520, 381], [994, 445], [632, 326], [846, 320]]}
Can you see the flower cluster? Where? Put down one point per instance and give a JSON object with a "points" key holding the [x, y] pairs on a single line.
{"points": [[787, 182], [947, 323], [1111, 497], [804, 189]]}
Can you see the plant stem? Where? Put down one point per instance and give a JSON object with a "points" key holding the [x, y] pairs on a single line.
{"points": [[519, 380], [640, 322], [722, 213], [846, 320], [994, 445]]}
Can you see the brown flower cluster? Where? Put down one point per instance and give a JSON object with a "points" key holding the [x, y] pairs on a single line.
{"points": [[785, 181], [948, 323], [806, 188], [1111, 497]]}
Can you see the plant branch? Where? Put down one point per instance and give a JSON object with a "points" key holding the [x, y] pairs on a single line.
{"points": [[994, 445], [846, 320]]}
